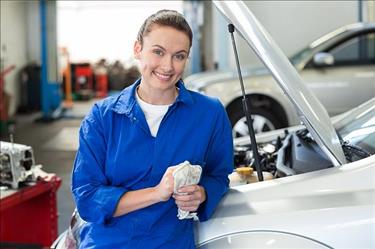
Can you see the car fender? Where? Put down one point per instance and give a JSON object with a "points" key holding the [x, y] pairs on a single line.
{"points": [[263, 239]]}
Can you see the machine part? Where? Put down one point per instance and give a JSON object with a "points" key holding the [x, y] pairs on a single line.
{"points": [[17, 164], [300, 154]]}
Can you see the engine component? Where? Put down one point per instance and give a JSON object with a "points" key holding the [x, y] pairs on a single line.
{"points": [[246, 175], [16, 164], [300, 154]]}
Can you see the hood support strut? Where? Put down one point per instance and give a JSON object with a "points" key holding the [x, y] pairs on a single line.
{"points": [[245, 107]]}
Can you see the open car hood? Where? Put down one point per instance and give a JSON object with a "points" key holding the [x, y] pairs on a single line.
{"points": [[310, 110]]}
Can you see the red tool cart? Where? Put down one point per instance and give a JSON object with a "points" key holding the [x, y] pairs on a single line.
{"points": [[101, 85], [82, 80], [28, 215]]}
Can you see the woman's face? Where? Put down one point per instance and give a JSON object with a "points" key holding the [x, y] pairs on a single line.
{"points": [[162, 57]]}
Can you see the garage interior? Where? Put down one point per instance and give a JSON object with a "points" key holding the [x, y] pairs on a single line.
{"points": [[40, 38]]}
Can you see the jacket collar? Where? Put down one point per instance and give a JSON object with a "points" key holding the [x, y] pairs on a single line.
{"points": [[126, 100]]}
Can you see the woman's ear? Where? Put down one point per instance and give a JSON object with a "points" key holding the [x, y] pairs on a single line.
{"points": [[137, 49]]}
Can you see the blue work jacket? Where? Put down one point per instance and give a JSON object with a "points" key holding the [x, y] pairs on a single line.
{"points": [[117, 153]]}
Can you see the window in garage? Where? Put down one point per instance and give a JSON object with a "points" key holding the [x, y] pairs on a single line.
{"points": [[95, 29]]}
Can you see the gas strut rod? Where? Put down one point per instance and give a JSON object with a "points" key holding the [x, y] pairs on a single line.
{"points": [[246, 109]]}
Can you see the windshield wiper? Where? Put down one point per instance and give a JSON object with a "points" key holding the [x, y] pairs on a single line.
{"points": [[353, 152]]}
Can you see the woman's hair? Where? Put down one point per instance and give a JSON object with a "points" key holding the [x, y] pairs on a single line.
{"points": [[169, 18]]}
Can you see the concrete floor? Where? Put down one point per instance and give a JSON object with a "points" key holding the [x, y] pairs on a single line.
{"points": [[54, 145]]}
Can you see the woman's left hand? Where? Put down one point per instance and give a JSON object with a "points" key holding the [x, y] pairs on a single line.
{"points": [[190, 197]]}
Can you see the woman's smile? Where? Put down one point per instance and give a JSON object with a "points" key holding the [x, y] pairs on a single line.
{"points": [[163, 77]]}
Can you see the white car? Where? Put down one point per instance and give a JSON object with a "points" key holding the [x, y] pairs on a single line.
{"points": [[338, 67], [321, 192], [310, 203]]}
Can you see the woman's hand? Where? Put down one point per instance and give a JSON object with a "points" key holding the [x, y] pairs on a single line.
{"points": [[190, 197], [164, 189]]}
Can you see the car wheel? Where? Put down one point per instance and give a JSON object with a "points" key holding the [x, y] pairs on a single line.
{"points": [[263, 120]]}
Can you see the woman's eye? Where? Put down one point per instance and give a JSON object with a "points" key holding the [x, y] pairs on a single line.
{"points": [[158, 52], [180, 57]]}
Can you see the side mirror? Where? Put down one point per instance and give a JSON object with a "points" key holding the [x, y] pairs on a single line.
{"points": [[323, 59]]}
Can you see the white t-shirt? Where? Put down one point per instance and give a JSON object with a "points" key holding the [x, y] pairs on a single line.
{"points": [[153, 113]]}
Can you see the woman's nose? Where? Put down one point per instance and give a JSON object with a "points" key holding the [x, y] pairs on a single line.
{"points": [[167, 64]]}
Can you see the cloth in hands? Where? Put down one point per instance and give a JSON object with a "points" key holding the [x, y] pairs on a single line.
{"points": [[186, 174]]}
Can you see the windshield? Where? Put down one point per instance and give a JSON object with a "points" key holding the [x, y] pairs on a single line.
{"points": [[361, 131]]}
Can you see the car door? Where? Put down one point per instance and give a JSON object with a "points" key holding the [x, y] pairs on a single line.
{"points": [[350, 81]]}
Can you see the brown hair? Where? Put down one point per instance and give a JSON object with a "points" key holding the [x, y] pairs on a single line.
{"points": [[169, 18]]}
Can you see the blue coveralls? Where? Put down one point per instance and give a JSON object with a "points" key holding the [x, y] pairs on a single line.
{"points": [[118, 154]]}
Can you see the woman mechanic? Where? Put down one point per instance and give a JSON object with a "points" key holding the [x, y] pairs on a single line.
{"points": [[122, 178]]}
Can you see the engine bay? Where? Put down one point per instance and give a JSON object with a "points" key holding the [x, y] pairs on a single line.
{"points": [[289, 154]]}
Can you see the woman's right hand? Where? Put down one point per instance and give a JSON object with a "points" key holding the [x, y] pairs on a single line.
{"points": [[164, 189]]}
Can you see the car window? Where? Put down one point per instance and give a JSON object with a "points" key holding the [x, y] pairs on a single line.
{"points": [[371, 47], [355, 51]]}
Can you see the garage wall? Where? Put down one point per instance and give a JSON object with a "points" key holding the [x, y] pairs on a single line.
{"points": [[206, 35], [20, 42], [13, 45], [33, 31], [292, 24], [370, 7]]}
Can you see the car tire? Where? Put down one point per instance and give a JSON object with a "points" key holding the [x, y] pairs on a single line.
{"points": [[263, 120]]}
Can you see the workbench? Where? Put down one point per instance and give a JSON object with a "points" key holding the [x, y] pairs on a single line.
{"points": [[28, 215]]}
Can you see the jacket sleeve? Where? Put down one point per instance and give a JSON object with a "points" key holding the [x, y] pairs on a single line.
{"points": [[95, 197], [219, 164]]}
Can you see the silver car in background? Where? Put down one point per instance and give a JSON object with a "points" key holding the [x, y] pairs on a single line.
{"points": [[339, 68]]}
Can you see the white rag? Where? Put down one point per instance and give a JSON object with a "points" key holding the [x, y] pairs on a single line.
{"points": [[186, 174]]}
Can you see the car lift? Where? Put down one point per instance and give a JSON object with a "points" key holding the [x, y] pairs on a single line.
{"points": [[49, 90]]}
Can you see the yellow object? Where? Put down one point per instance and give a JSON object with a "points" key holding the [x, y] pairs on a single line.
{"points": [[245, 171]]}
